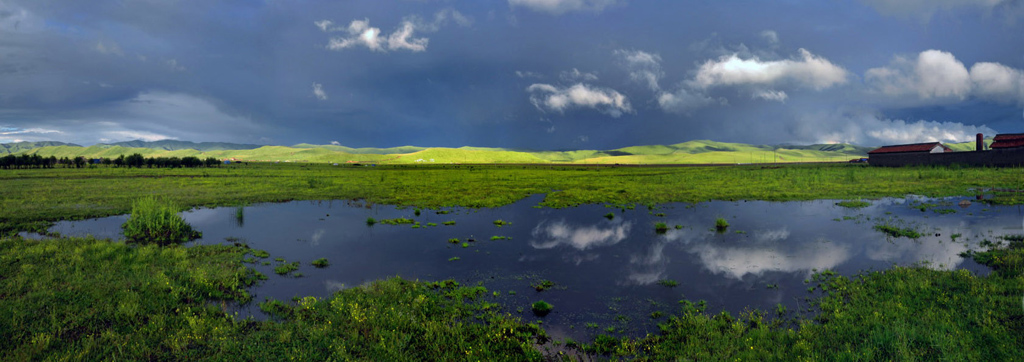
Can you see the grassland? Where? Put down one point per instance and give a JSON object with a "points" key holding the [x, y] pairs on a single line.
{"points": [[692, 152], [30, 198], [71, 298]]}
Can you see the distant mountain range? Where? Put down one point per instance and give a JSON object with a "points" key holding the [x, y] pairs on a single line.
{"points": [[701, 151]]}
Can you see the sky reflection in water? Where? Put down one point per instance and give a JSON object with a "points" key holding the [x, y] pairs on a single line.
{"points": [[606, 270]]}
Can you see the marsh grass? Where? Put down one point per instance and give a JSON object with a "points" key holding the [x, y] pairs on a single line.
{"points": [[286, 268], [541, 308], [721, 224], [660, 227], [853, 204], [543, 285], [897, 231], [668, 283], [157, 221], [321, 263]]}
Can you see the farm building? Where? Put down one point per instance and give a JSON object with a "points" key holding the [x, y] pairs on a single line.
{"points": [[1007, 150], [930, 147], [1009, 140]]}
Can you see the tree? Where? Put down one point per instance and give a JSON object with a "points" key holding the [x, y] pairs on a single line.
{"points": [[210, 162], [79, 162], [135, 160]]}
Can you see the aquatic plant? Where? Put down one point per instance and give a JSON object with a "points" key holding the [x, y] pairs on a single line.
{"points": [[370, 221], [454, 258], [609, 216], [896, 231], [453, 240], [321, 263], [721, 224], [286, 268], [660, 227], [500, 223], [397, 221], [853, 204], [543, 285], [668, 283], [541, 308], [498, 237], [157, 221], [449, 223]]}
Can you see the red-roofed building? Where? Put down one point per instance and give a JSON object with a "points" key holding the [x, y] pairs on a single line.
{"points": [[930, 147], [1009, 140]]}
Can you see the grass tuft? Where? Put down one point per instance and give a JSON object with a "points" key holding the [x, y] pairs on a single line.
{"points": [[157, 221]]}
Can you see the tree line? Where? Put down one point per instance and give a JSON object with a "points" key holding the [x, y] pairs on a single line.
{"points": [[133, 160]]}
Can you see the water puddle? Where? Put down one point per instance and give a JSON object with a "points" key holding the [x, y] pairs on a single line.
{"points": [[610, 272]]}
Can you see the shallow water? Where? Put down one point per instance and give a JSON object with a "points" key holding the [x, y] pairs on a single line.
{"points": [[605, 270]]}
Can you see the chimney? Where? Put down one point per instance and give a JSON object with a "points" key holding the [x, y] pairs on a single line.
{"points": [[980, 142]]}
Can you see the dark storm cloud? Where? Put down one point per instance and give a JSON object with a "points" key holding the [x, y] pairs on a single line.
{"points": [[543, 74]]}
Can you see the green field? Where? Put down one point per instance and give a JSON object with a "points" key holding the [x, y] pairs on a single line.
{"points": [[692, 152], [72, 298]]}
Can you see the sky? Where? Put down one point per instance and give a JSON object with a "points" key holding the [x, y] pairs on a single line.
{"points": [[526, 74]]}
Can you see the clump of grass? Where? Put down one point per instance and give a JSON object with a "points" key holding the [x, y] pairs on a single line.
{"points": [[454, 258], [896, 231], [853, 204], [660, 227], [542, 308], [157, 221], [465, 245], [721, 224], [500, 223], [679, 227], [668, 283], [499, 237], [431, 224], [543, 285], [370, 221], [286, 268], [321, 263], [609, 216], [453, 240], [397, 221], [259, 253], [449, 223]]}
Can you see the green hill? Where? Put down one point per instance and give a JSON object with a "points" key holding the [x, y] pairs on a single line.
{"points": [[691, 152], [369, 150], [172, 145], [18, 147]]}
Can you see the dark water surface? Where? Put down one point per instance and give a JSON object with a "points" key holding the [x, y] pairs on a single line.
{"points": [[606, 271]]}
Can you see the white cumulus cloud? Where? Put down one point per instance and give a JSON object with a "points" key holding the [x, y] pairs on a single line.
{"points": [[938, 76], [998, 82], [360, 33], [870, 129], [318, 91], [933, 74], [808, 70], [576, 75], [547, 97], [770, 95], [557, 7]]}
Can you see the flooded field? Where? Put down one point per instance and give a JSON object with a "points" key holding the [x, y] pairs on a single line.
{"points": [[610, 269]]}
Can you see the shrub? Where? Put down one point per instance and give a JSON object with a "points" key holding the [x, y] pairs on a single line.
{"points": [[157, 221]]}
